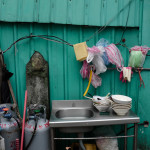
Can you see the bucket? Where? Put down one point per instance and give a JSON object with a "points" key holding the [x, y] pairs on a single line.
{"points": [[75, 146], [80, 50]]}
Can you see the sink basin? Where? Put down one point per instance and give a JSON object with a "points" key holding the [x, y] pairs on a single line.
{"points": [[73, 114]]}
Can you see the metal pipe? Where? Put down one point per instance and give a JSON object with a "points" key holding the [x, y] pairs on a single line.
{"points": [[135, 69], [135, 136], [52, 139], [93, 138], [80, 141], [125, 139]]}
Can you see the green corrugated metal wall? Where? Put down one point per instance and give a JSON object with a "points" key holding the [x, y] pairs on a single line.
{"points": [[79, 12], [65, 79]]}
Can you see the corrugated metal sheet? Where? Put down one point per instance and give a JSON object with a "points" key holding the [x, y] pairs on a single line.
{"points": [[78, 12], [65, 79]]}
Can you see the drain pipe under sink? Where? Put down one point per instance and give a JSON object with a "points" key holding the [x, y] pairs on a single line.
{"points": [[81, 135]]}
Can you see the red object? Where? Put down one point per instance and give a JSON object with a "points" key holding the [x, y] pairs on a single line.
{"points": [[123, 40], [141, 80], [5, 109], [17, 144], [23, 121]]}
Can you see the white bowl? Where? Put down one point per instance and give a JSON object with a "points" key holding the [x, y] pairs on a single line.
{"points": [[121, 99], [121, 105], [101, 108], [121, 112], [101, 100]]}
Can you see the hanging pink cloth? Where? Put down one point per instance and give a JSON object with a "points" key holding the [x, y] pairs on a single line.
{"points": [[96, 80], [85, 70], [85, 73], [114, 56], [143, 49]]}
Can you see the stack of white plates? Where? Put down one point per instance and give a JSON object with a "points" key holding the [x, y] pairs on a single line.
{"points": [[121, 104]]}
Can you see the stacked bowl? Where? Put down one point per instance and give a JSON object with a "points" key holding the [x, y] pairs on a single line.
{"points": [[121, 104], [102, 104]]}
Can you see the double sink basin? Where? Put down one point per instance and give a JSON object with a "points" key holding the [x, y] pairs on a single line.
{"points": [[76, 116]]}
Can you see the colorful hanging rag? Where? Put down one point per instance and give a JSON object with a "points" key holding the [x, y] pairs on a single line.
{"points": [[114, 56], [85, 73], [137, 56], [91, 53], [125, 74]]}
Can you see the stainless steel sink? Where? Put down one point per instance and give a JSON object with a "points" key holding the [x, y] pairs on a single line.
{"points": [[72, 111], [74, 114]]}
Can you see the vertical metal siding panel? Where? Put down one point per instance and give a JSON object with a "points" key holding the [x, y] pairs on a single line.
{"points": [[111, 11], [49, 32], [56, 68], [8, 10], [136, 12], [93, 10], [78, 12], [36, 10], [81, 81], [73, 68], [86, 12], [64, 63], [27, 10], [44, 11], [69, 12], [22, 58], [40, 45], [132, 15], [103, 12], [59, 11]]}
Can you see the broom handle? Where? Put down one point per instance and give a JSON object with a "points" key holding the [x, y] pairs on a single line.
{"points": [[23, 122]]}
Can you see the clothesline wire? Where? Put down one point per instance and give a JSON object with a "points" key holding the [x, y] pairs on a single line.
{"points": [[126, 24], [103, 27], [45, 37]]}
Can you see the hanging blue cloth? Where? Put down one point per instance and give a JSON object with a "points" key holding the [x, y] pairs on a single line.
{"points": [[103, 42]]}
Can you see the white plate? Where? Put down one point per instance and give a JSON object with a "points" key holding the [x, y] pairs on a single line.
{"points": [[121, 99]]}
